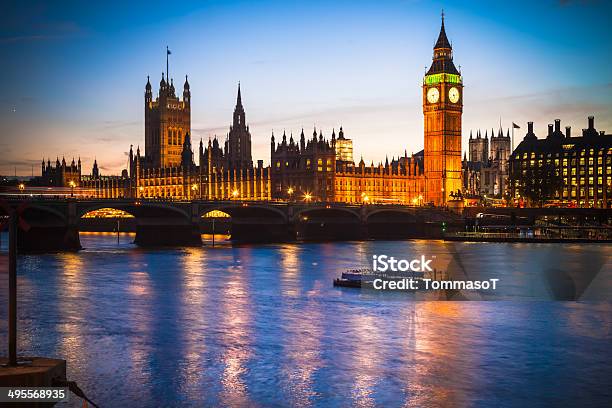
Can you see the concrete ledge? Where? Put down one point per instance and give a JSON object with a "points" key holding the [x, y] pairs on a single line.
{"points": [[531, 240], [39, 373]]}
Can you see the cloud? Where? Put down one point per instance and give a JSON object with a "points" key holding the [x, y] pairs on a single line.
{"points": [[24, 162], [564, 3], [308, 119], [105, 139], [210, 131], [571, 92], [25, 38], [117, 124], [260, 62], [23, 27], [113, 166]]}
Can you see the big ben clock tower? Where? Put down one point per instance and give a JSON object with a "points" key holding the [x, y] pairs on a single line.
{"points": [[442, 108]]}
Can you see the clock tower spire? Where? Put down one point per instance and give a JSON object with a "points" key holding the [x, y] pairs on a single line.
{"points": [[442, 110]]}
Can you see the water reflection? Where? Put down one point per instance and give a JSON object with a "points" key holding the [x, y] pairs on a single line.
{"points": [[302, 356], [73, 302], [364, 364], [193, 296], [235, 332], [445, 358], [263, 326], [139, 300]]}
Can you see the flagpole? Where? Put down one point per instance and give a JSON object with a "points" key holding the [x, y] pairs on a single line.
{"points": [[167, 53]]}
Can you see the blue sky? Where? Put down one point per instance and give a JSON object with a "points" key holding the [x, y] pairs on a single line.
{"points": [[73, 73]]}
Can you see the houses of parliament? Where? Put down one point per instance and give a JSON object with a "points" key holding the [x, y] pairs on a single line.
{"points": [[315, 167]]}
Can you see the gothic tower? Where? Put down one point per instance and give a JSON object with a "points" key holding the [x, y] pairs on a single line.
{"points": [[167, 122], [442, 108], [238, 145]]}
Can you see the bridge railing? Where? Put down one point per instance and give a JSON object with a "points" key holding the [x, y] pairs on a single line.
{"points": [[284, 202]]}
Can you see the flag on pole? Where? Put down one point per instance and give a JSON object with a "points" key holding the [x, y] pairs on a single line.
{"points": [[515, 126], [168, 51]]}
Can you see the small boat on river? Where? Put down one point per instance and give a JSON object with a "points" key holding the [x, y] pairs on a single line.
{"points": [[364, 278]]}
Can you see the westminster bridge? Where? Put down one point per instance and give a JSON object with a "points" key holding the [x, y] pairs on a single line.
{"points": [[53, 224]]}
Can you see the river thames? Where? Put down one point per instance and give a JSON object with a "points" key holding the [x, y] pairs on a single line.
{"points": [[262, 325]]}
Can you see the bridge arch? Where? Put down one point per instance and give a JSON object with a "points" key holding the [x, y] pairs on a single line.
{"points": [[138, 210], [406, 215], [33, 211], [246, 210], [48, 229], [251, 222], [215, 214], [99, 210], [327, 222], [327, 211]]}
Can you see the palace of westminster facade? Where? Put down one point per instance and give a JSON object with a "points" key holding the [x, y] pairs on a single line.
{"points": [[314, 167]]}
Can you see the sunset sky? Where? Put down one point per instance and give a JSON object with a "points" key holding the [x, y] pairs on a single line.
{"points": [[73, 74]]}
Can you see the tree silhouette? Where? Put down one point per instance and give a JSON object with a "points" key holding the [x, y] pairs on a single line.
{"points": [[540, 183]]}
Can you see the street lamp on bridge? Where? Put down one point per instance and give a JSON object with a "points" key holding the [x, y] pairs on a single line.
{"points": [[72, 185], [365, 198]]}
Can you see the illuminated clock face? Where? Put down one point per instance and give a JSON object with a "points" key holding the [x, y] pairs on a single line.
{"points": [[453, 95], [433, 95]]}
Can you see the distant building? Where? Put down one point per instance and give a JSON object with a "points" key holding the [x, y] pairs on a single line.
{"points": [[443, 111], [344, 147], [168, 169], [59, 175], [316, 168], [220, 174], [562, 169], [486, 170], [311, 168], [167, 122], [324, 168], [238, 143]]}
